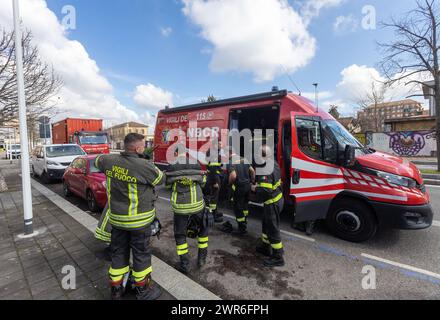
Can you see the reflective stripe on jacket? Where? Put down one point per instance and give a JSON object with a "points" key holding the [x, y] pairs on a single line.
{"points": [[270, 187], [186, 182], [130, 189]]}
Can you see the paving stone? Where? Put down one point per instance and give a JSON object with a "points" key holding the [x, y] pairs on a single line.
{"points": [[12, 287], [55, 293], [45, 285], [23, 294], [86, 293], [40, 276]]}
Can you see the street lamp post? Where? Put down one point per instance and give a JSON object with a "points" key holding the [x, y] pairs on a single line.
{"points": [[25, 170]]}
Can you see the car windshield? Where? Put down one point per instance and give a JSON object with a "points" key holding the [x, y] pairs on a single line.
{"points": [[15, 147], [343, 137], [93, 139], [93, 168], [64, 151]]}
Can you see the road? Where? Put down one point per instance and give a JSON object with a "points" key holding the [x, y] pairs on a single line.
{"points": [[406, 263]]}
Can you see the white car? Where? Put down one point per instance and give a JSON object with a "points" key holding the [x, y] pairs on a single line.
{"points": [[49, 162], [14, 152]]}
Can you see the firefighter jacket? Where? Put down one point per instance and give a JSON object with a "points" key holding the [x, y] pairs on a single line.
{"points": [[186, 182], [130, 189], [243, 182], [270, 187], [214, 168]]}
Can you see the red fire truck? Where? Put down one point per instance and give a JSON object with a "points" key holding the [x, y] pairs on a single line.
{"points": [[327, 173], [85, 132]]}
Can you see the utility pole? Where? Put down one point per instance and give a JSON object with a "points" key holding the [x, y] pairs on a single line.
{"points": [[25, 170], [316, 96]]}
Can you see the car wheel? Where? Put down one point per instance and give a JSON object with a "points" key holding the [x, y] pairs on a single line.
{"points": [[91, 201], [352, 220], [66, 190], [45, 178]]}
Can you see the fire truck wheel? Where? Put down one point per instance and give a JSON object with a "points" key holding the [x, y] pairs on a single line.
{"points": [[352, 220]]}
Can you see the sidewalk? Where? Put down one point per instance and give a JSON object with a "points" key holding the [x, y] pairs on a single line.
{"points": [[32, 268]]}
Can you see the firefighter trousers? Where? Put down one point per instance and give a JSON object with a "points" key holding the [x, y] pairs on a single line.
{"points": [[240, 202], [213, 196], [138, 242], [180, 232], [271, 226]]}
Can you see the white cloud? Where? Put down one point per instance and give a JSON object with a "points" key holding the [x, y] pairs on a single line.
{"points": [[356, 82], [151, 97], [86, 91], [345, 24], [166, 32], [323, 95], [262, 37], [311, 8]]}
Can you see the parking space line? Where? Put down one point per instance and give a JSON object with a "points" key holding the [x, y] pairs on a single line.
{"points": [[402, 266]]}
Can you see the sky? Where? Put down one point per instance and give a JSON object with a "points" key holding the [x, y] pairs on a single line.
{"points": [[124, 60]]}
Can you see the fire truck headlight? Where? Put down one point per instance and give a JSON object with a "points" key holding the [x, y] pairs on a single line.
{"points": [[397, 180]]}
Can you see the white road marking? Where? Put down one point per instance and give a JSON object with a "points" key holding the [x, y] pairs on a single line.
{"points": [[436, 223], [402, 266]]}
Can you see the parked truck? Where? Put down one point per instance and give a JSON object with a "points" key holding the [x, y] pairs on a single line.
{"points": [[88, 133], [327, 173]]}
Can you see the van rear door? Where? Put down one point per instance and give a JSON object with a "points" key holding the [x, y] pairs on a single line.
{"points": [[319, 181]]}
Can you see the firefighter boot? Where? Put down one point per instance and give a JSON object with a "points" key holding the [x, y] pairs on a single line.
{"points": [[218, 217], [184, 264], [242, 229], [201, 259], [264, 249], [276, 260], [116, 290], [147, 290]]}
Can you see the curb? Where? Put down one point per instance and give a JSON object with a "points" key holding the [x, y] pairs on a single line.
{"points": [[174, 282], [432, 182]]}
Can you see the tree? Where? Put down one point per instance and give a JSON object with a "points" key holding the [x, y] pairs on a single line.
{"points": [[334, 112], [41, 82], [415, 51], [211, 98], [370, 117]]}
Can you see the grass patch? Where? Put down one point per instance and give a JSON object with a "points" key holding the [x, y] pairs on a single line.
{"points": [[428, 171]]}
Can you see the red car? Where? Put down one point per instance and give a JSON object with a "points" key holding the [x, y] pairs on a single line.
{"points": [[83, 179]]}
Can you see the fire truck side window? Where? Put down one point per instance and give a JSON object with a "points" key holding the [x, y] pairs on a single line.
{"points": [[309, 138]]}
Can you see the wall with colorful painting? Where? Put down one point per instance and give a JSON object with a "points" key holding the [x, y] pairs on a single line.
{"points": [[404, 144]]}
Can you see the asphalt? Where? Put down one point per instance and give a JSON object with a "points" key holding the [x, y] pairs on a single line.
{"points": [[321, 267]]}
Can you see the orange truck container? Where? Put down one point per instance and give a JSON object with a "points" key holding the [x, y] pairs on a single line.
{"points": [[88, 133]]}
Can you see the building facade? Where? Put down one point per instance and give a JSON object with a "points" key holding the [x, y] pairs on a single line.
{"points": [[373, 118], [118, 133]]}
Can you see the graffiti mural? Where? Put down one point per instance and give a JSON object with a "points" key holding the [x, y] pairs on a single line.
{"points": [[409, 144], [405, 144]]}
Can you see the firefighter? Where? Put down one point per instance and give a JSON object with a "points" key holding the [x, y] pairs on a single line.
{"points": [[190, 218], [214, 180], [103, 230], [131, 180], [269, 192], [240, 176]]}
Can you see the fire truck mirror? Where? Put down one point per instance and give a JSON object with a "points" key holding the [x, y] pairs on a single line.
{"points": [[349, 156]]}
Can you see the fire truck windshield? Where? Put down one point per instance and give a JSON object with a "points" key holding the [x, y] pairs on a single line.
{"points": [[341, 134], [93, 139]]}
